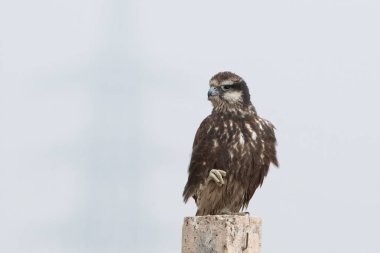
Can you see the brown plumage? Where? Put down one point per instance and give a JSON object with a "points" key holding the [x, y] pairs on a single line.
{"points": [[232, 151]]}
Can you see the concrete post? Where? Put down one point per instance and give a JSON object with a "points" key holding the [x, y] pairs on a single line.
{"points": [[221, 234]]}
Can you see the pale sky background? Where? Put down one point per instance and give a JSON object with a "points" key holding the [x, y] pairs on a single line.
{"points": [[100, 101]]}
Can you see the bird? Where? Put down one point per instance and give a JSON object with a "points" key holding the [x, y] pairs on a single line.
{"points": [[232, 150]]}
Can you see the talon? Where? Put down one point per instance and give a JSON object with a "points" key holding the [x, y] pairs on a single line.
{"points": [[217, 176]]}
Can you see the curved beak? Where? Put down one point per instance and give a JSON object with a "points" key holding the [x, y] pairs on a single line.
{"points": [[213, 92]]}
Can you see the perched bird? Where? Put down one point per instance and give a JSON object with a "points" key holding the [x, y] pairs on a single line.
{"points": [[232, 150]]}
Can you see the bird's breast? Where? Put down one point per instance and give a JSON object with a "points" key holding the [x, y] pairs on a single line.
{"points": [[233, 141]]}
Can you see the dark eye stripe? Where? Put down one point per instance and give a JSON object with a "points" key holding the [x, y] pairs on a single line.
{"points": [[226, 87]]}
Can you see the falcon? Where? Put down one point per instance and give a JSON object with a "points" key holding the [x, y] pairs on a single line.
{"points": [[232, 150]]}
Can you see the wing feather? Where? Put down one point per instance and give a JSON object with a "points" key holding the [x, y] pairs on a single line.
{"points": [[197, 169]]}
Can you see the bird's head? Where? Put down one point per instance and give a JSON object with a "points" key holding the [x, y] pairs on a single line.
{"points": [[228, 90]]}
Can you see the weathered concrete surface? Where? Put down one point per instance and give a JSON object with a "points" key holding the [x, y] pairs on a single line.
{"points": [[221, 234]]}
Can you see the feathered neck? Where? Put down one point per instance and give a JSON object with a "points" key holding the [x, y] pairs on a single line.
{"points": [[237, 111]]}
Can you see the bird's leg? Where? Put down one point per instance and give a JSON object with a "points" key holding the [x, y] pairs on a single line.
{"points": [[225, 211], [228, 212], [217, 176]]}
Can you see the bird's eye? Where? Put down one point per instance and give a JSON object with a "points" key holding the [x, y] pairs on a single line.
{"points": [[226, 87]]}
